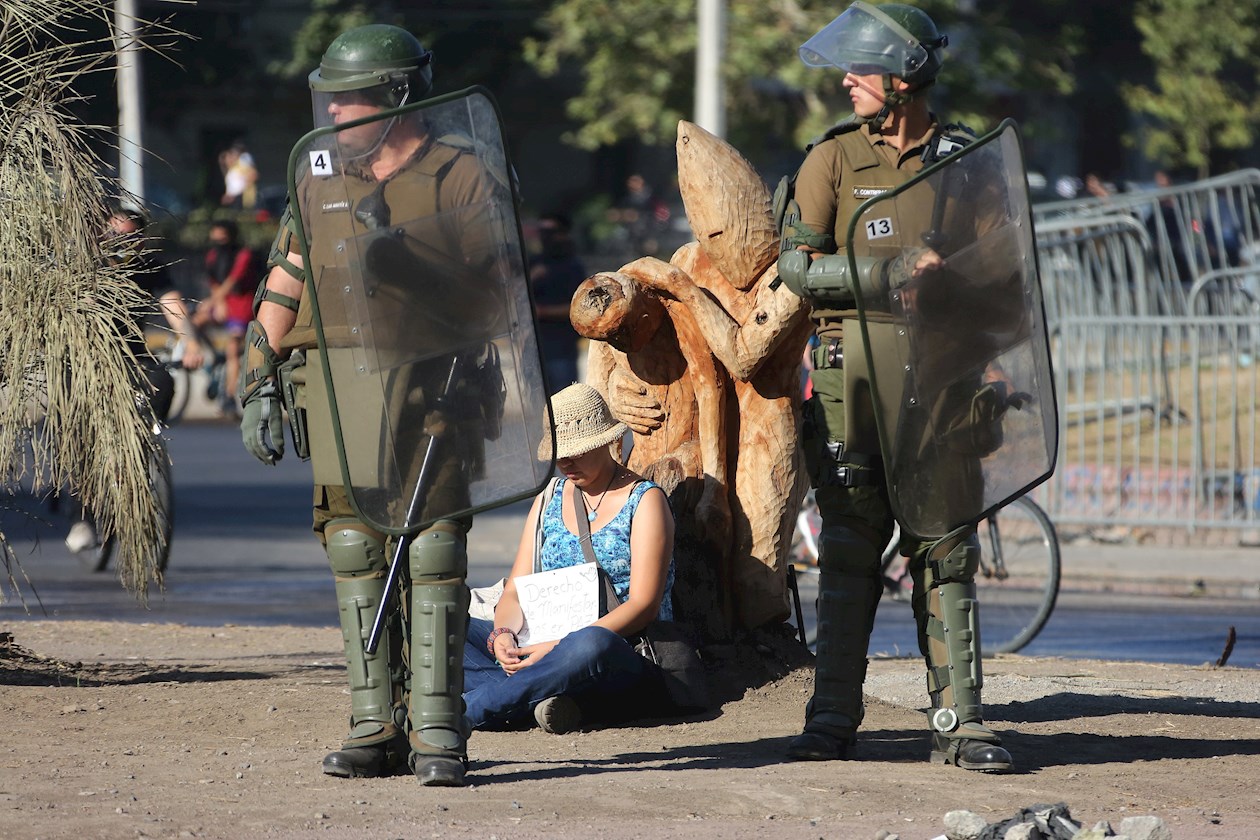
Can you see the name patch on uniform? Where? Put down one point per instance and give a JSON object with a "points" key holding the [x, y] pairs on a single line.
{"points": [[335, 206], [321, 162], [868, 192], [879, 228]]}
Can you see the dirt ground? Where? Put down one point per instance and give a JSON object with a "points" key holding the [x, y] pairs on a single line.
{"points": [[121, 730]]}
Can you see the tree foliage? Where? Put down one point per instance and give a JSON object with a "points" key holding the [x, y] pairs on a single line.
{"points": [[636, 60], [472, 42], [327, 20], [69, 417], [1205, 75]]}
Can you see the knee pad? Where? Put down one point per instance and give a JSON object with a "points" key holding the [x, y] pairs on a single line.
{"points": [[352, 552], [955, 557], [438, 553]]}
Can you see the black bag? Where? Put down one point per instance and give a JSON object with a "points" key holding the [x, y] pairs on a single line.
{"points": [[670, 647], [666, 644]]}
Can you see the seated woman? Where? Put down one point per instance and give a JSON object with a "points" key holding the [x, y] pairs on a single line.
{"points": [[593, 671]]}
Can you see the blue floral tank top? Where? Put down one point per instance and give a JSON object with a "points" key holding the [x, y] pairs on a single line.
{"points": [[560, 547]]}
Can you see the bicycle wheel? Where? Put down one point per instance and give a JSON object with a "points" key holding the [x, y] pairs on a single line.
{"points": [[1018, 579], [163, 493]]}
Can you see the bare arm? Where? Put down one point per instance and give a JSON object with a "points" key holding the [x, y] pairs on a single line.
{"points": [[176, 314], [277, 320], [651, 549]]}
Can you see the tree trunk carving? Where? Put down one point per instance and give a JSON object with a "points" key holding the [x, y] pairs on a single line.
{"points": [[701, 356]]}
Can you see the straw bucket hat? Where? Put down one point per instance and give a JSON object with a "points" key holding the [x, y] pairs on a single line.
{"points": [[583, 423]]}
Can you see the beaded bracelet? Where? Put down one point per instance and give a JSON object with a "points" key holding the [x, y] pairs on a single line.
{"points": [[496, 633]]}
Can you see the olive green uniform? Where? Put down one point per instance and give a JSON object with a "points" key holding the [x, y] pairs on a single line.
{"points": [[414, 681], [843, 455]]}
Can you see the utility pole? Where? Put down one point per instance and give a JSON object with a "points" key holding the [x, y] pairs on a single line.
{"points": [[710, 50], [130, 85]]}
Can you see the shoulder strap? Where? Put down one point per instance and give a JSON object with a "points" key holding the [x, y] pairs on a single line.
{"points": [[608, 597], [538, 523], [787, 213], [842, 127], [858, 150], [946, 140]]}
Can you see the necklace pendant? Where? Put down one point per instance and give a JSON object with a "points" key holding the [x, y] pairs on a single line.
{"points": [[590, 517]]}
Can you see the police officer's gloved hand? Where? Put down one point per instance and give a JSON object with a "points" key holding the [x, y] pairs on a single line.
{"points": [[1008, 397], [1018, 400], [262, 423]]}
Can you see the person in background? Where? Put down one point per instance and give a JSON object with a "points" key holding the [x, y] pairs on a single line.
{"points": [[232, 273], [240, 177], [1168, 234], [127, 243], [555, 273], [642, 215], [1097, 187]]}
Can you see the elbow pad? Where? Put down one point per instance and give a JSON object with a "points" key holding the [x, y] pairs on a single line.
{"points": [[828, 278], [259, 362]]}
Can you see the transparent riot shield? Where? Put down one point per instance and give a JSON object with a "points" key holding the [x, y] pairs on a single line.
{"points": [[956, 337], [431, 370]]}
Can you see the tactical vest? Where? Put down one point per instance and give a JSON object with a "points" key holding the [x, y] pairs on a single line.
{"points": [[865, 174], [424, 187]]}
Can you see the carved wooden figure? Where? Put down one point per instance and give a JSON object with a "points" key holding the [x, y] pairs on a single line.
{"points": [[719, 357]]}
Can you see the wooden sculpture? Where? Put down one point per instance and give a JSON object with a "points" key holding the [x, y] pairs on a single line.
{"points": [[701, 357]]}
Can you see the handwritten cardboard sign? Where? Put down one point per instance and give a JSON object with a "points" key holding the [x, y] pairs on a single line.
{"points": [[558, 602]]}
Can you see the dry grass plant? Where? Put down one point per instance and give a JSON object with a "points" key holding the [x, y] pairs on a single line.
{"points": [[69, 416]]}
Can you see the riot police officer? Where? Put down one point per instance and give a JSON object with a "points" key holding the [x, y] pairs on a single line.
{"points": [[890, 55], [363, 210]]}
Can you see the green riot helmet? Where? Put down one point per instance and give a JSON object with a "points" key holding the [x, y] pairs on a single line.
{"points": [[892, 39], [378, 64]]}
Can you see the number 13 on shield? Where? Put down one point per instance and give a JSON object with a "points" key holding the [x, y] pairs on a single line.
{"points": [[879, 228]]}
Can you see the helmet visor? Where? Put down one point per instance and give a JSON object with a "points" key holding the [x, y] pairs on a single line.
{"points": [[865, 41], [333, 107]]}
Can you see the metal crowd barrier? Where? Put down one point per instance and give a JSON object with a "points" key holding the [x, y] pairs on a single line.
{"points": [[1153, 305]]}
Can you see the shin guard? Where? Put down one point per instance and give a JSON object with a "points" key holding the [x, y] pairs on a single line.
{"points": [[358, 563], [439, 621], [947, 613]]}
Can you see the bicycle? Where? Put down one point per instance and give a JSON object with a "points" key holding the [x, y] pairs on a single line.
{"points": [[1017, 582], [171, 355]]}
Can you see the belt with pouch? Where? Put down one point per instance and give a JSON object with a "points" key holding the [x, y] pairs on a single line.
{"points": [[829, 354]]}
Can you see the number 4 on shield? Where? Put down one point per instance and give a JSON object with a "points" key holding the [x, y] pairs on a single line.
{"points": [[321, 162]]}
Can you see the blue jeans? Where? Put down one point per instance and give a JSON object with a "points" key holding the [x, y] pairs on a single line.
{"points": [[596, 667]]}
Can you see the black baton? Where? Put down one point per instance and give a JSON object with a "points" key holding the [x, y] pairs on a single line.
{"points": [[417, 500]]}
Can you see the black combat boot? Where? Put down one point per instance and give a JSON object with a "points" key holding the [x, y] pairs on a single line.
{"points": [[819, 746], [848, 593], [368, 762], [971, 754], [438, 770]]}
